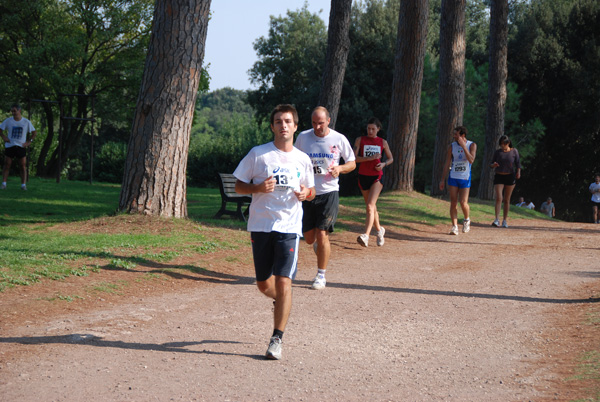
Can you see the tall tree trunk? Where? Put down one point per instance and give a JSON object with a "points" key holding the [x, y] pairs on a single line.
{"points": [[338, 47], [406, 93], [451, 85], [154, 181], [41, 162], [494, 124]]}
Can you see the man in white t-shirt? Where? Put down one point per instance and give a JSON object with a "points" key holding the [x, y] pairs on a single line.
{"points": [[325, 147], [15, 142], [279, 177]]}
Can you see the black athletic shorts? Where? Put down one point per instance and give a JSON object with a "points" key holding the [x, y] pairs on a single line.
{"points": [[506, 179], [321, 213], [15, 152], [275, 254], [365, 182]]}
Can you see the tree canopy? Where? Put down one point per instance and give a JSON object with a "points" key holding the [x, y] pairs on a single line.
{"points": [[49, 47], [554, 58], [53, 47]]}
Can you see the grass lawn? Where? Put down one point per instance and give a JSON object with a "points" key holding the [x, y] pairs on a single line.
{"points": [[37, 241]]}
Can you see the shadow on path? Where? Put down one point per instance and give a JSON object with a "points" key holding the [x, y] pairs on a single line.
{"points": [[93, 340], [526, 299]]}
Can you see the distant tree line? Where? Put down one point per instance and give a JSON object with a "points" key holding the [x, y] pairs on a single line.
{"points": [[367, 89], [75, 47], [552, 89], [52, 47]]}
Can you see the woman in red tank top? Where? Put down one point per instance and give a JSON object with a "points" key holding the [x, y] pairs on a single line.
{"points": [[368, 151]]}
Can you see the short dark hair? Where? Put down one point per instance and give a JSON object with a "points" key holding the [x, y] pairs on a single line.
{"points": [[462, 130], [15, 106], [374, 120], [285, 108]]}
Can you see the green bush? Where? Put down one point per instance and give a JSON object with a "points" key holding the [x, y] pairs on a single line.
{"points": [[211, 153], [109, 162]]}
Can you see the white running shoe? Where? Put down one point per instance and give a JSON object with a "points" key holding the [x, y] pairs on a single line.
{"points": [[454, 230], [496, 223], [274, 350], [319, 282], [466, 225], [24, 187], [380, 239], [504, 224], [3, 187], [363, 240]]}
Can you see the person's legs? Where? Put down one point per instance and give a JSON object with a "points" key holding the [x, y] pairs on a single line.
{"points": [[267, 287], [310, 236], [463, 198], [498, 191], [371, 196], [7, 164], [23, 165], [283, 302], [594, 213], [507, 193], [278, 288], [453, 191], [320, 223], [323, 248], [275, 260], [369, 217], [320, 239]]}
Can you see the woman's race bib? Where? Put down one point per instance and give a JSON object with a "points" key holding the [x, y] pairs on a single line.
{"points": [[370, 150]]}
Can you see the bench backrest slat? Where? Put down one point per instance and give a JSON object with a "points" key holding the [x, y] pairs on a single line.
{"points": [[227, 185]]}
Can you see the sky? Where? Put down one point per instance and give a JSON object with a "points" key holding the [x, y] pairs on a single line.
{"points": [[232, 30]]}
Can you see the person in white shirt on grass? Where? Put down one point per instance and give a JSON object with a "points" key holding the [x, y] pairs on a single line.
{"points": [[15, 142]]}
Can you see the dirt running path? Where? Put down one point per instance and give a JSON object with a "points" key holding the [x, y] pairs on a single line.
{"points": [[501, 320]]}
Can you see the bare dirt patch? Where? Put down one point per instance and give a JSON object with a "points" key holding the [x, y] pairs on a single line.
{"points": [[492, 315]]}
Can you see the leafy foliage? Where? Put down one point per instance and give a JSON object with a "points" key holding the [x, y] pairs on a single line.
{"points": [[53, 47], [223, 133], [555, 60], [290, 64]]}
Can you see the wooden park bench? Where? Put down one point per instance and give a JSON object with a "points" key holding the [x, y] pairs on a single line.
{"points": [[228, 194]]}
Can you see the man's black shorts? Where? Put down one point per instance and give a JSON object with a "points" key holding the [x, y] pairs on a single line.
{"points": [[321, 213], [275, 254], [15, 152]]}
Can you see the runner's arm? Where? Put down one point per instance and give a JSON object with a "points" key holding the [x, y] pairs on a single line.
{"points": [[389, 158], [266, 186]]}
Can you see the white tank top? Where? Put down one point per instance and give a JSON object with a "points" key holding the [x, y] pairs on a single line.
{"points": [[461, 168]]}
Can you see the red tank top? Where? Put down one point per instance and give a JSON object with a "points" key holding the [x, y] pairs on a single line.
{"points": [[370, 146]]}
